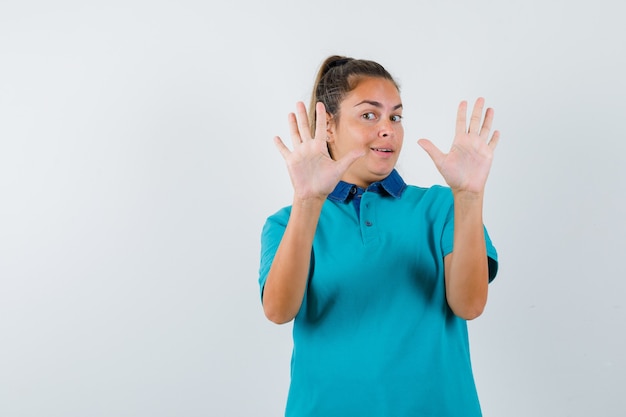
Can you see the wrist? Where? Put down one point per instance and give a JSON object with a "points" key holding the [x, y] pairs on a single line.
{"points": [[308, 202], [468, 205], [468, 196]]}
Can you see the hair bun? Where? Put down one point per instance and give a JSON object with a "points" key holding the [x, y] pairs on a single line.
{"points": [[338, 62]]}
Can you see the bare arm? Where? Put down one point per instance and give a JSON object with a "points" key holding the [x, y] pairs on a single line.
{"points": [[466, 268], [466, 168], [314, 174], [287, 278]]}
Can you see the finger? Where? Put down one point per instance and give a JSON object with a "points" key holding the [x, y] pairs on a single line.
{"points": [[284, 151], [320, 121], [477, 113], [435, 154], [486, 127], [495, 138], [303, 121], [294, 132], [461, 114]]}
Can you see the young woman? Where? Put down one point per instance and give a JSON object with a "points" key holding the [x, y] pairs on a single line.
{"points": [[378, 276]]}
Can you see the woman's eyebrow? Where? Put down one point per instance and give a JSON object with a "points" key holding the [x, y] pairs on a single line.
{"points": [[377, 104]]}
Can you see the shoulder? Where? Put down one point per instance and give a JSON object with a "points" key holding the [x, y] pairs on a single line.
{"points": [[432, 194], [434, 204], [274, 227], [280, 215]]}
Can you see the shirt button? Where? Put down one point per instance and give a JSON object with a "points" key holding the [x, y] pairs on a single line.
{"points": [[353, 190], [368, 223]]}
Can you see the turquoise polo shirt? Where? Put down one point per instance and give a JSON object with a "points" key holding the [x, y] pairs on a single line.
{"points": [[374, 335]]}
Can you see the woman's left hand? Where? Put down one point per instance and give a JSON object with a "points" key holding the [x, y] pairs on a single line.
{"points": [[466, 167]]}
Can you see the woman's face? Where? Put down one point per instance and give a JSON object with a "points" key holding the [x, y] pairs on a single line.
{"points": [[370, 119]]}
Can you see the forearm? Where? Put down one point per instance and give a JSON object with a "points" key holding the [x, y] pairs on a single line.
{"points": [[286, 281], [466, 268]]}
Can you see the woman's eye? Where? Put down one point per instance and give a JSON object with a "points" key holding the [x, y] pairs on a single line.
{"points": [[396, 118], [369, 116]]}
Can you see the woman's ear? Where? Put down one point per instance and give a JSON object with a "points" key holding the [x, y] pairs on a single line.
{"points": [[330, 128]]}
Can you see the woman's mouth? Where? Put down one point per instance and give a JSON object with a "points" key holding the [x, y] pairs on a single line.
{"points": [[381, 149]]}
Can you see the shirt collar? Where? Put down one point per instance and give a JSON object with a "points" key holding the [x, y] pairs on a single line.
{"points": [[393, 185]]}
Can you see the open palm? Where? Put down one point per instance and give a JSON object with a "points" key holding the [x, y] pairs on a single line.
{"points": [[466, 166], [313, 173]]}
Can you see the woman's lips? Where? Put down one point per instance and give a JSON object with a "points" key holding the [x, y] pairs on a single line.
{"points": [[385, 152]]}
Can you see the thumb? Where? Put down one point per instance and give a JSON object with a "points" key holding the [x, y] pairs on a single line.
{"points": [[435, 154], [284, 151], [349, 159]]}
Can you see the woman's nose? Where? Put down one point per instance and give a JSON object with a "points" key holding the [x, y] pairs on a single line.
{"points": [[385, 128]]}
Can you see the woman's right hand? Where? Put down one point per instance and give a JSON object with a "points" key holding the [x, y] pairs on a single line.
{"points": [[314, 174]]}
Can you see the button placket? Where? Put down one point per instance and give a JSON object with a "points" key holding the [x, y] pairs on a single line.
{"points": [[368, 224]]}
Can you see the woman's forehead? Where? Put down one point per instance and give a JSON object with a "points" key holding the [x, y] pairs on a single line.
{"points": [[374, 89]]}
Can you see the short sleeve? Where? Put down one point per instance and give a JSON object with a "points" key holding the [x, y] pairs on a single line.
{"points": [[447, 243], [271, 236], [492, 257]]}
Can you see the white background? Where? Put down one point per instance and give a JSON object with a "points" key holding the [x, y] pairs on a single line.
{"points": [[137, 169]]}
